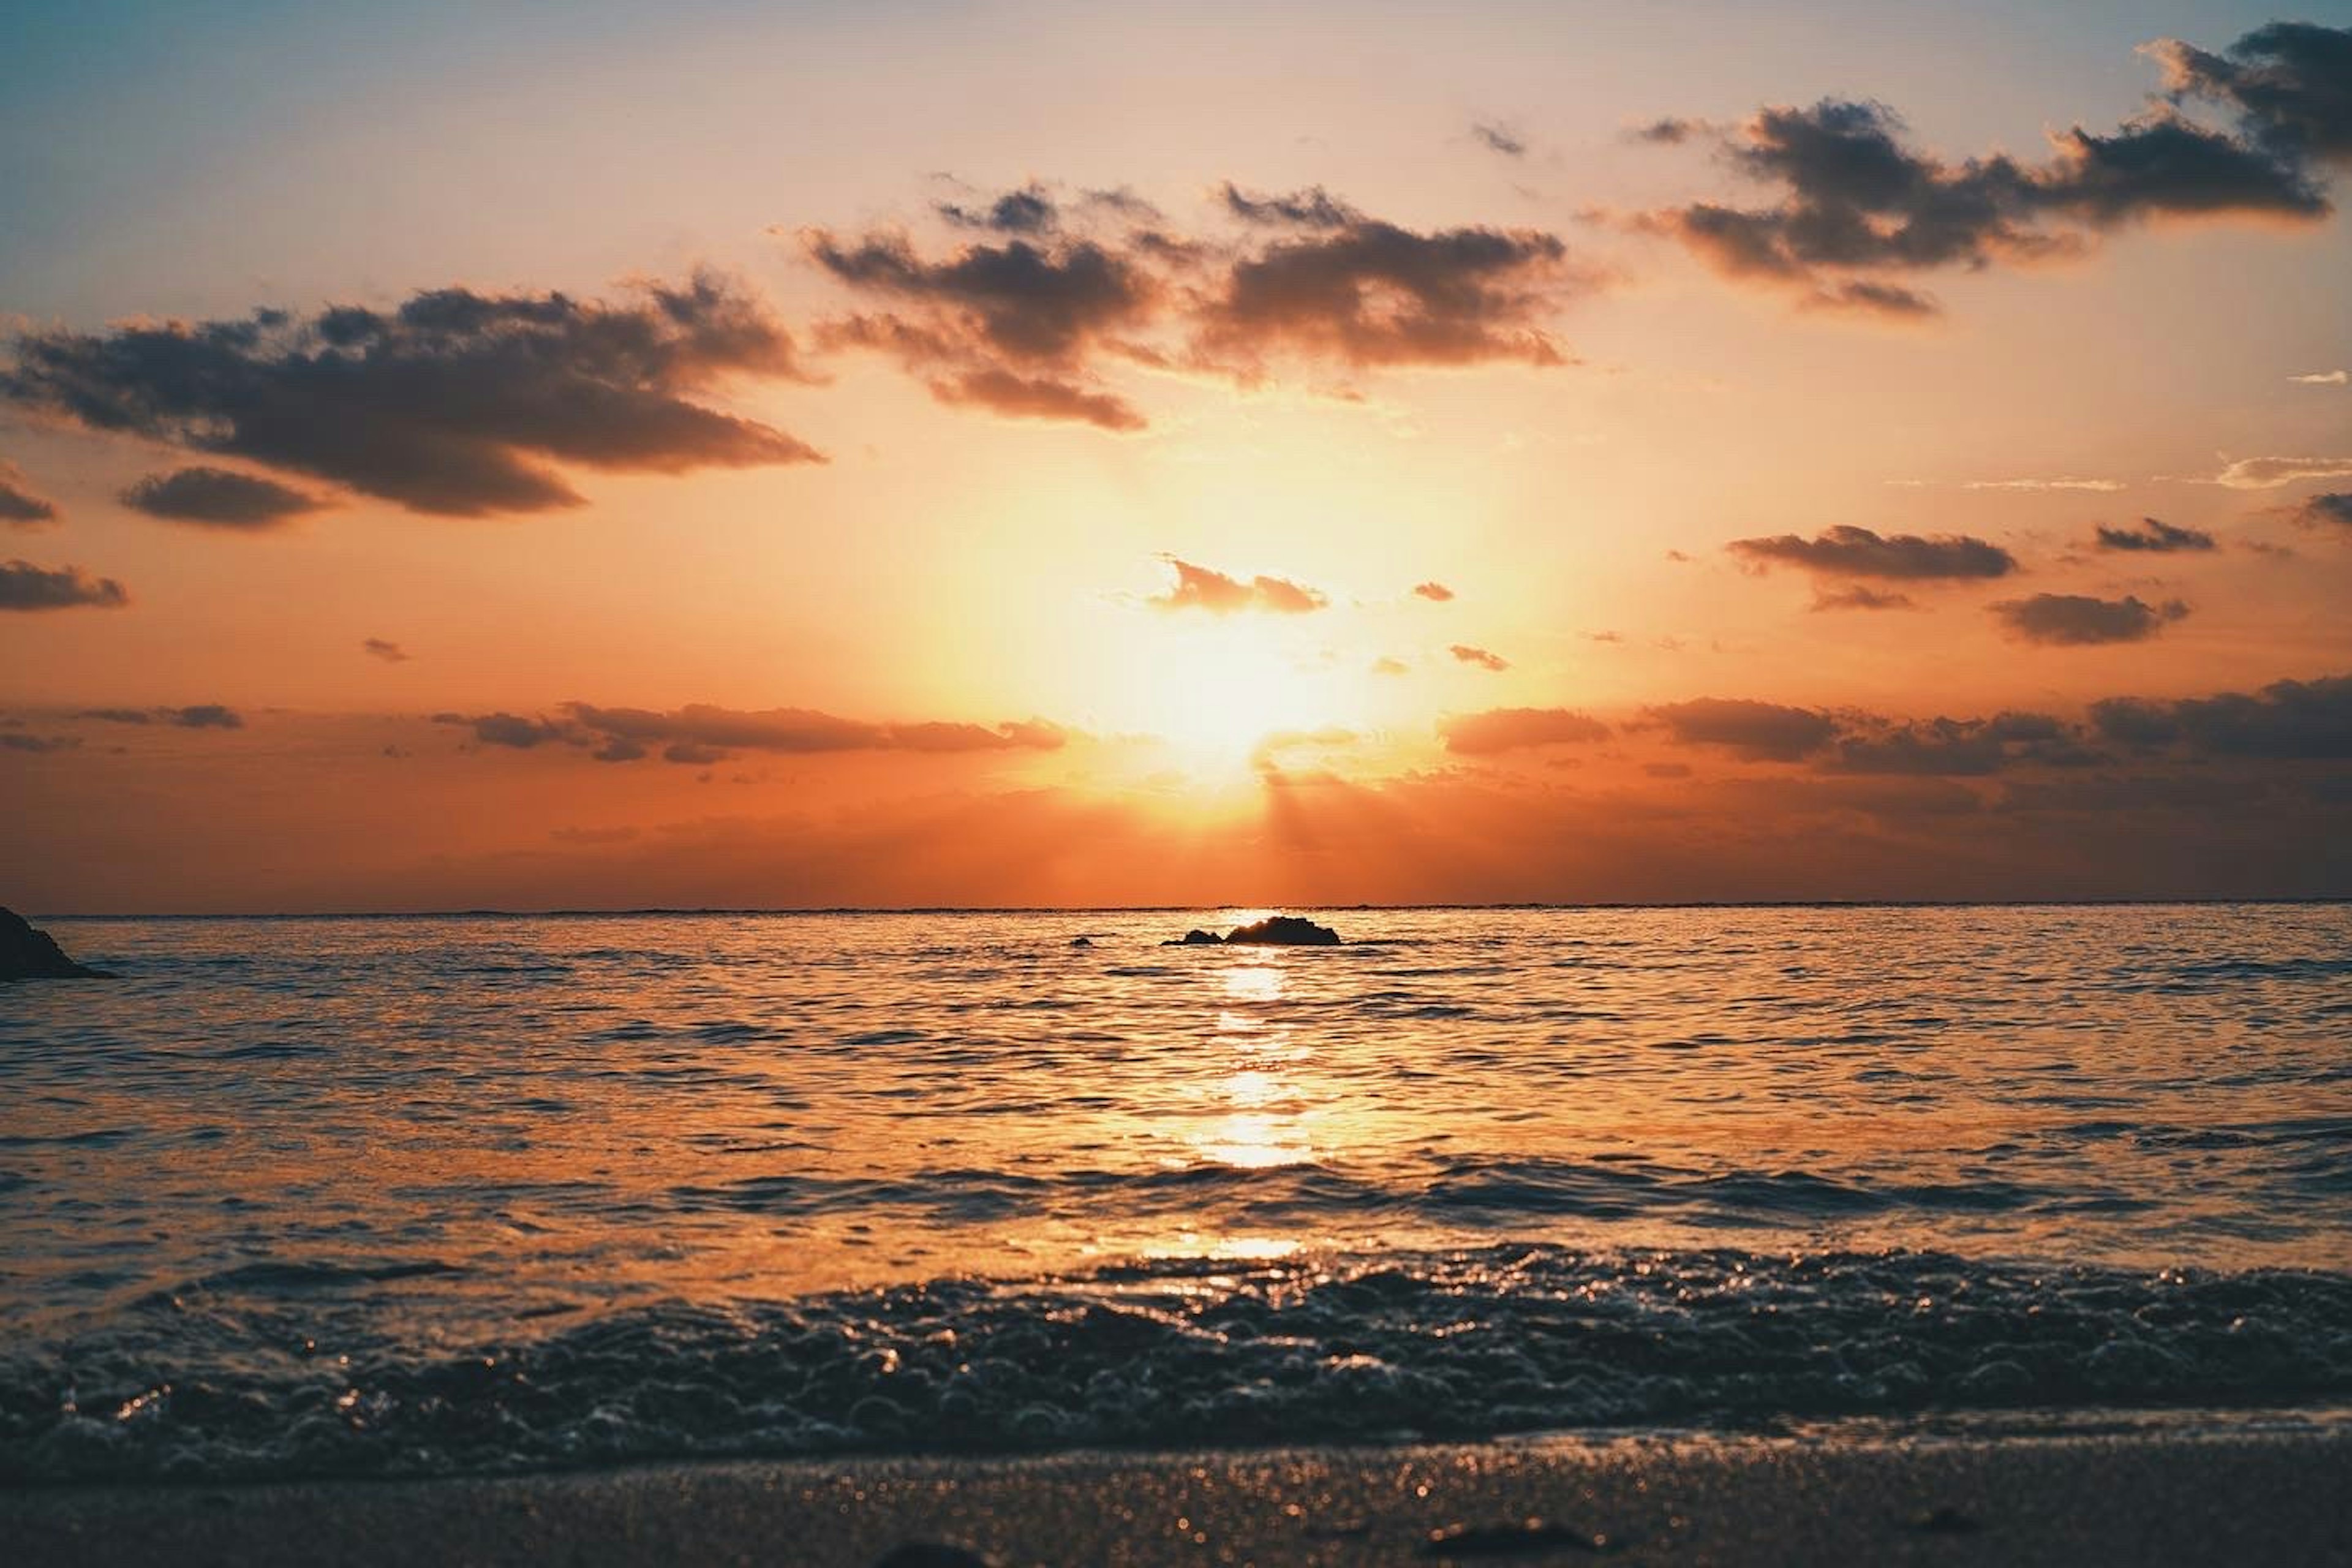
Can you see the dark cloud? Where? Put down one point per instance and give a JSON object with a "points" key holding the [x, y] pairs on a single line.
{"points": [[2077, 620], [455, 403], [1029, 210], [19, 507], [1762, 731], [699, 733], [1435, 592], [2287, 721], [1669, 131], [1368, 293], [1857, 597], [1497, 139], [1202, 588], [2154, 537], [25, 586], [13, 742], [1036, 304], [510, 729], [1312, 208], [382, 648], [1037, 397], [2290, 82], [219, 498], [2331, 510], [1479, 656], [1856, 203], [1849, 552], [202, 716], [1514, 729], [1959, 747]]}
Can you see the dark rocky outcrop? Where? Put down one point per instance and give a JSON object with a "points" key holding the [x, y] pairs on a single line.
{"points": [[29, 954], [1275, 931]]}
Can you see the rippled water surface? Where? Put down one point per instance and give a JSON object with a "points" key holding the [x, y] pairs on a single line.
{"points": [[422, 1194]]}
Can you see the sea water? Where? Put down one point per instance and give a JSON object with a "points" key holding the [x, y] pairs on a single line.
{"points": [[430, 1195]]}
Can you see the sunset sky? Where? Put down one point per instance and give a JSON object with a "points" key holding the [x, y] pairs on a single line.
{"points": [[904, 455]]}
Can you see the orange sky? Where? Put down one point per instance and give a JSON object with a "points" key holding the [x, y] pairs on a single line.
{"points": [[1012, 457]]}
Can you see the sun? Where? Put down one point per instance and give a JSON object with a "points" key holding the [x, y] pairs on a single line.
{"points": [[1216, 692]]}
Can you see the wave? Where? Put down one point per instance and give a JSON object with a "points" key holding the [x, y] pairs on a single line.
{"points": [[1399, 1346]]}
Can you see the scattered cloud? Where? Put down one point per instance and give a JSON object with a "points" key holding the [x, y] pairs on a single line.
{"points": [[219, 498], [1857, 597], [19, 506], [25, 586], [1479, 656], [2073, 620], [1312, 208], [1515, 729], [1037, 397], [2066, 483], [2153, 537], [510, 730], [1946, 747], [2323, 378], [1855, 205], [1202, 588], [2331, 510], [2288, 720], [1849, 552], [2270, 473], [1435, 592], [1498, 138], [700, 734], [1385, 664], [11, 741], [1765, 731], [382, 648], [202, 716], [1029, 210], [456, 402]]}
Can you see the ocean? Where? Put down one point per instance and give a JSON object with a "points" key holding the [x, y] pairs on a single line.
{"points": [[435, 1195]]}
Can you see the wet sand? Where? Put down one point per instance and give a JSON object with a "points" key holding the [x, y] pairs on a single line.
{"points": [[2283, 1497]]}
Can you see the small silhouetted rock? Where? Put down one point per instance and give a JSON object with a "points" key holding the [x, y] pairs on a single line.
{"points": [[1081, 941], [930, 1554], [1528, 1536], [1285, 930], [1195, 938], [29, 954]]}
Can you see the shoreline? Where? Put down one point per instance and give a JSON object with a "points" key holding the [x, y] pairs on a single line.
{"points": [[2238, 1495]]}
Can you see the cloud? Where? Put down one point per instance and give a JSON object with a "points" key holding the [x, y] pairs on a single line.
{"points": [[700, 734], [2331, 510], [25, 586], [1857, 597], [1037, 397], [1479, 656], [388, 651], [2323, 378], [1029, 210], [1959, 747], [1032, 302], [219, 498], [510, 729], [2285, 81], [1514, 729], [1760, 730], [1201, 588], [36, 744], [1435, 592], [202, 716], [1499, 140], [1855, 204], [1849, 552], [2067, 483], [2288, 720], [19, 507], [456, 403], [2153, 537], [2270, 473], [1312, 208], [2073, 620], [1385, 664], [1368, 293]]}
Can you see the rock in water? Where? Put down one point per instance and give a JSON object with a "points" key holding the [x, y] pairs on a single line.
{"points": [[1285, 930], [1195, 938], [29, 954]]}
